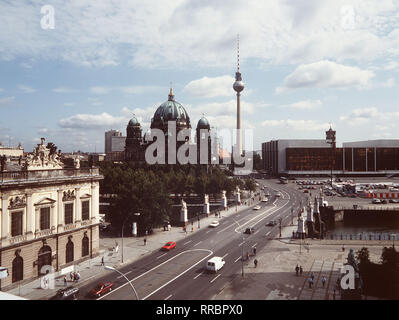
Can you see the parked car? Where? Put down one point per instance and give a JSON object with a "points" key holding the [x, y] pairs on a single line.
{"points": [[214, 224], [265, 200], [69, 293], [256, 208], [376, 201], [169, 245], [393, 201], [271, 223], [383, 201], [101, 288], [249, 230]]}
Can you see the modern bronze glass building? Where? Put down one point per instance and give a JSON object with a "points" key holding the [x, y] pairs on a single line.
{"points": [[316, 157]]}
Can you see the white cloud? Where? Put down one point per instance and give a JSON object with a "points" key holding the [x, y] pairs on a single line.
{"points": [[297, 125], [326, 74], [211, 87], [100, 90], [63, 90], [26, 89], [91, 121], [305, 104], [69, 104], [196, 33], [7, 100]]}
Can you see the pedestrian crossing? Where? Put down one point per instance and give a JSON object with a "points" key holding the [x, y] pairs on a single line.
{"points": [[321, 282]]}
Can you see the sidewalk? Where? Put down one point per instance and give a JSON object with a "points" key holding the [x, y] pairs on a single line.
{"points": [[133, 249], [274, 278]]}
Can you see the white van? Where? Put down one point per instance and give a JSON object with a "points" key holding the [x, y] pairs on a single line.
{"points": [[215, 264]]}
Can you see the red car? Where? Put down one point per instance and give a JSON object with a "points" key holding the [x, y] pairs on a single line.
{"points": [[169, 245], [101, 288]]}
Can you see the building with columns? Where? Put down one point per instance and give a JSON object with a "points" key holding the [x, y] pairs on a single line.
{"points": [[49, 216]]}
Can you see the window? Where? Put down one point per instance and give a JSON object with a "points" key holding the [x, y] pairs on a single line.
{"points": [[69, 251], [68, 213], [44, 218], [17, 269], [16, 223], [85, 210], [85, 246]]}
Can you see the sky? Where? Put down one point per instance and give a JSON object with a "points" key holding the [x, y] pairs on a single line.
{"points": [[70, 70]]}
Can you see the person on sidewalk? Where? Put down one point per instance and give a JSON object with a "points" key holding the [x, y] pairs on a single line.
{"points": [[300, 270], [102, 261], [323, 281], [71, 276], [297, 270], [145, 241], [310, 281], [254, 250], [343, 248], [256, 263], [77, 276], [312, 275], [65, 281]]}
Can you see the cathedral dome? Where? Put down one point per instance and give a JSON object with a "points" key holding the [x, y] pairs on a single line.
{"points": [[203, 123], [170, 110], [133, 122]]}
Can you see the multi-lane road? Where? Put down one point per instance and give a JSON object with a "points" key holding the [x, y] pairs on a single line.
{"points": [[180, 273]]}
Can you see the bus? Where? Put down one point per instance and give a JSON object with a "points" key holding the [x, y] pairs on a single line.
{"points": [[283, 180]]}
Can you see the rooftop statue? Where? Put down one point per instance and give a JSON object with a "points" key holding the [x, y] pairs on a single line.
{"points": [[44, 157]]}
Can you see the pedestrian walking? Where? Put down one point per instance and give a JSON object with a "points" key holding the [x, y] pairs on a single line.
{"points": [[145, 241], [77, 276], [102, 261], [247, 255], [343, 248], [192, 228], [65, 281], [296, 270], [254, 250], [323, 281], [300, 270], [312, 275], [256, 263], [71, 276], [310, 281]]}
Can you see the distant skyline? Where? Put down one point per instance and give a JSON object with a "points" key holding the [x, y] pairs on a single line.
{"points": [[305, 65]]}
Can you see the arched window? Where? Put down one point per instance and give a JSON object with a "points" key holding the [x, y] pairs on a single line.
{"points": [[17, 269], [69, 251], [85, 246], [43, 259]]}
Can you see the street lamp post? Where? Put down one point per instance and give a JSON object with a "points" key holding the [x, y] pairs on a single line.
{"points": [[280, 220], [292, 216], [330, 139], [130, 282]]}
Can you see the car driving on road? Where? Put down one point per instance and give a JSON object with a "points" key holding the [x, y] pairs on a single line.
{"points": [[69, 293], [101, 288], [271, 223], [169, 245], [249, 230], [256, 208], [214, 224]]}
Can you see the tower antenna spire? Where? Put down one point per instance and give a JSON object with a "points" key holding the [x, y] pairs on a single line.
{"points": [[238, 52]]}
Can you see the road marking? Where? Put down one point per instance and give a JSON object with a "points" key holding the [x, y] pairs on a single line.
{"points": [[162, 255], [197, 244], [268, 233], [198, 275], [125, 274], [156, 267], [187, 242], [241, 243], [208, 231], [254, 245], [225, 255], [256, 232], [167, 298], [215, 278], [239, 258]]}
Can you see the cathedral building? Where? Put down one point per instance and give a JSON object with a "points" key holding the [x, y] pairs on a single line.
{"points": [[168, 113]]}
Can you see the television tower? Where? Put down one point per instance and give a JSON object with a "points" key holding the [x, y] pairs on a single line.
{"points": [[238, 86]]}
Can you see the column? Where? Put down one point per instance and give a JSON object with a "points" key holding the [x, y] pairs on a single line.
{"points": [[53, 219], [37, 219], [78, 207], [29, 217], [94, 212], [60, 212], [4, 218]]}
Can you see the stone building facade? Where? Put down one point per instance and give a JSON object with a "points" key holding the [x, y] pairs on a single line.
{"points": [[49, 218]]}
